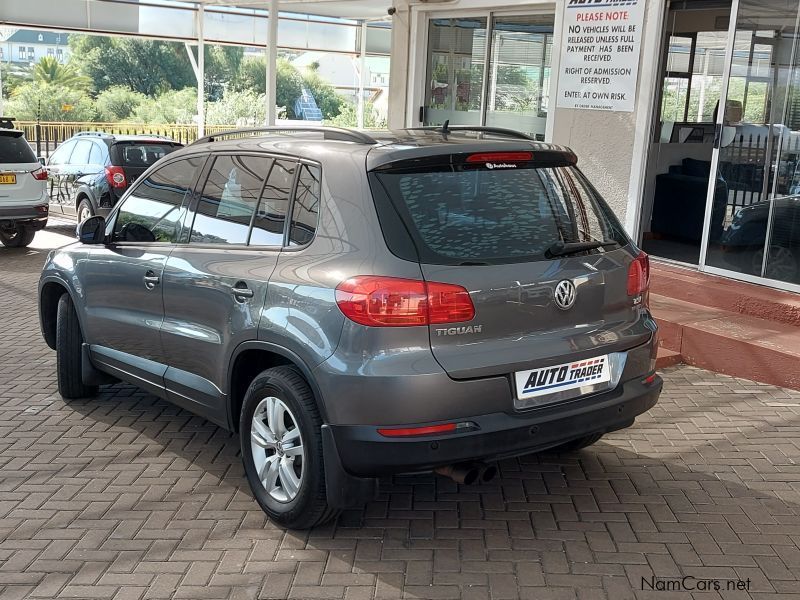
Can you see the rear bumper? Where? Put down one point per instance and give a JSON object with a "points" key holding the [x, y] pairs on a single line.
{"points": [[30, 216], [364, 452]]}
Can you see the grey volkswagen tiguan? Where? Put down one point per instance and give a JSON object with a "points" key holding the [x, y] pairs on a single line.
{"points": [[357, 305]]}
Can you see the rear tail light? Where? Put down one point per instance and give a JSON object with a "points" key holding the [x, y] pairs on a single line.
{"points": [[40, 174], [394, 302], [116, 177], [492, 157], [639, 275]]}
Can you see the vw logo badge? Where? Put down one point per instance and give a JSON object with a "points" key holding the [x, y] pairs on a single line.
{"points": [[564, 294]]}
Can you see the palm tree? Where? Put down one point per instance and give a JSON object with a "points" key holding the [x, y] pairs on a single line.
{"points": [[49, 71]]}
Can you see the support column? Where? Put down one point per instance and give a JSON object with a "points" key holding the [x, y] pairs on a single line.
{"points": [[399, 68], [362, 69], [200, 74], [272, 59]]}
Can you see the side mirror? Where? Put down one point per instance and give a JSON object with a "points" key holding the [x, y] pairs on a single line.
{"points": [[42, 160], [92, 230]]}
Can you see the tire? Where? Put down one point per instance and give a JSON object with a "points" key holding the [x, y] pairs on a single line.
{"points": [[300, 501], [579, 443], [20, 237], [69, 340], [85, 210]]}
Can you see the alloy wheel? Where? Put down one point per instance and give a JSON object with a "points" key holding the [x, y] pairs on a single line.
{"points": [[277, 448]]}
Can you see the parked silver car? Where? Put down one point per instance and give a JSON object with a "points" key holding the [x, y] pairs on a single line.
{"points": [[356, 305]]}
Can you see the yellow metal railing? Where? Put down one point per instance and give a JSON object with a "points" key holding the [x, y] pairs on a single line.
{"points": [[45, 136]]}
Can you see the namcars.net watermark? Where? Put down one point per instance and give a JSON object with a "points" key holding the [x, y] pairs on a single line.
{"points": [[694, 584]]}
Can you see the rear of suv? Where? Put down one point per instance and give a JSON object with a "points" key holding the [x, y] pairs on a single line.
{"points": [[90, 172], [23, 199], [358, 305]]}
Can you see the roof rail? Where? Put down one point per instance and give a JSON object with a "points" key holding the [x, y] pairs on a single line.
{"points": [[490, 130], [94, 133], [328, 133], [6, 122]]}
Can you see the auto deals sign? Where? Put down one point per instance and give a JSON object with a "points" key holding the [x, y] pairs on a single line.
{"points": [[600, 61]]}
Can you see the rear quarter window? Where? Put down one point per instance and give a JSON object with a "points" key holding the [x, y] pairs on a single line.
{"points": [[15, 149], [494, 215], [132, 154]]}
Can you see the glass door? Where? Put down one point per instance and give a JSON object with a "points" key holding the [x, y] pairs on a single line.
{"points": [[753, 205], [512, 92]]}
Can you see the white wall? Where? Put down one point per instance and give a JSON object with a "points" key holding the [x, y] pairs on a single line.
{"points": [[612, 146]]}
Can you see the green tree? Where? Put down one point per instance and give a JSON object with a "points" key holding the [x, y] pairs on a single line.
{"points": [[348, 117], [222, 63], [118, 103], [252, 75], [49, 70], [173, 106], [56, 103], [241, 108], [146, 66]]}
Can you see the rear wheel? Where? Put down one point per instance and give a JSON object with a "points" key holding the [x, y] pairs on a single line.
{"points": [[69, 342], [579, 443], [281, 443], [84, 210], [18, 237]]}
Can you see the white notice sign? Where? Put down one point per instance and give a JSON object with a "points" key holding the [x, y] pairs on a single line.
{"points": [[600, 61]]}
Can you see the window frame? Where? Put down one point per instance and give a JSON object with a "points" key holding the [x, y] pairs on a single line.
{"points": [[200, 183], [188, 198]]}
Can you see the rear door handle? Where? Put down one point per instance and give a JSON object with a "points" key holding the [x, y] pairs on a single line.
{"points": [[151, 280]]}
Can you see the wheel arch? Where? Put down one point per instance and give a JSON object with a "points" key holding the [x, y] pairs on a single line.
{"points": [[251, 358], [50, 293], [85, 194]]}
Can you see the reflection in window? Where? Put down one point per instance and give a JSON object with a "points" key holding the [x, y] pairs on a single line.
{"points": [[229, 199], [519, 72], [270, 218], [305, 209], [152, 212]]}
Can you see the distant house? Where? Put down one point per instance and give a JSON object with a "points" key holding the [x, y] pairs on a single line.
{"points": [[25, 46]]}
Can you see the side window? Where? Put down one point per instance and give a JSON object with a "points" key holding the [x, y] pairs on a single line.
{"points": [[305, 209], [270, 218], [80, 156], [152, 212], [96, 156], [62, 153], [229, 199]]}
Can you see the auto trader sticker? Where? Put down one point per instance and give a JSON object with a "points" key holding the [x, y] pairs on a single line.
{"points": [[567, 376]]}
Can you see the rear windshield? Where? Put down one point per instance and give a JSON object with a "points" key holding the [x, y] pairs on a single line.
{"points": [[491, 214], [15, 149], [141, 154]]}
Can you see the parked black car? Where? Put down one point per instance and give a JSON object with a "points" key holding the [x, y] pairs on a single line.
{"points": [[90, 171], [744, 239]]}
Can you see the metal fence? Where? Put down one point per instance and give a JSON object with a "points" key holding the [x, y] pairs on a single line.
{"points": [[46, 136]]}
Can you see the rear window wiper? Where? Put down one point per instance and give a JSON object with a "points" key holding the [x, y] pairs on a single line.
{"points": [[566, 248]]}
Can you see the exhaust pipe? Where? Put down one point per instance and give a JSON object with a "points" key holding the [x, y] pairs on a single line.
{"points": [[466, 473], [487, 472], [469, 473]]}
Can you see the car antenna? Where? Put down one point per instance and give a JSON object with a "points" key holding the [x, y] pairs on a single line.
{"points": [[446, 129]]}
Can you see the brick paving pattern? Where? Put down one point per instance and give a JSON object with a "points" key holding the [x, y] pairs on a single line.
{"points": [[124, 496]]}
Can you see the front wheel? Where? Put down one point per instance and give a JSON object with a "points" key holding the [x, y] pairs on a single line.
{"points": [[19, 237], [281, 442]]}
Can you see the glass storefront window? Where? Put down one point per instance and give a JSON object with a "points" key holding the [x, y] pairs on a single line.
{"points": [[758, 220], [515, 91]]}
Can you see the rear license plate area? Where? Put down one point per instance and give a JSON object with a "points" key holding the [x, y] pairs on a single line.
{"points": [[537, 387], [8, 178]]}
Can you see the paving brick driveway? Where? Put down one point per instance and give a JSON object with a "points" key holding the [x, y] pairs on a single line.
{"points": [[125, 496]]}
